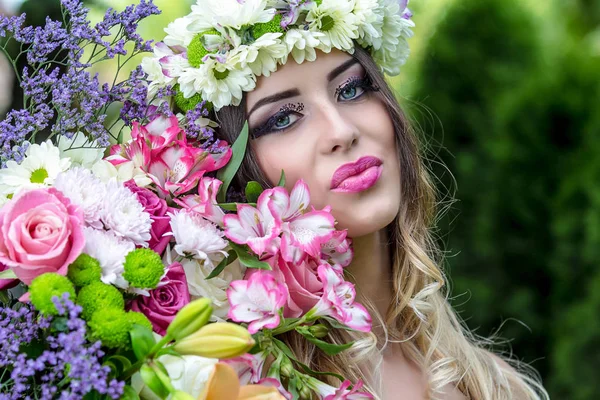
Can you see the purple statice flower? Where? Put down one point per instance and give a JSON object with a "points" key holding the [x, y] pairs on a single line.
{"points": [[69, 367], [18, 327], [60, 95]]}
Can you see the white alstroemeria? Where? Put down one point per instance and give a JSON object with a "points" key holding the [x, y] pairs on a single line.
{"points": [[124, 214], [215, 288], [110, 251], [261, 55], [178, 33], [81, 150], [207, 14], [337, 21], [369, 17], [394, 49], [121, 172], [42, 163], [187, 373], [85, 190], [197, 237], [301, 44], [222, 84]]}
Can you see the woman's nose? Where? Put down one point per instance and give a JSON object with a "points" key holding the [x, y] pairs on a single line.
{"points": [[338, 131]]}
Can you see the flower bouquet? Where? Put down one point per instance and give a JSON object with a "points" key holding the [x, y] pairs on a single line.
{"points": [[125, 273]]}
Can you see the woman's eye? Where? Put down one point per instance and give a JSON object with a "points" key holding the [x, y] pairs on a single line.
{"points": [[349, 93], [282, 121]]}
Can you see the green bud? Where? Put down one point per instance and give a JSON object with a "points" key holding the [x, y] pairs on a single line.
{"points": [[84, 270], [190, 318], [111, 326], [44, 287], [98, 296], [218, 340], [153, 382], [286, 368], [305, 393], [143, 268], [319, 330]]}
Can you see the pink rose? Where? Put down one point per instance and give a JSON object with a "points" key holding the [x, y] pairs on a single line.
{"points": [[40, 231], [164, 301], [304, 286], [6, 283], [157, 208]]}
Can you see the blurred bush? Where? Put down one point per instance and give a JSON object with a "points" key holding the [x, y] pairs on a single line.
{"points": [[517, 113]]}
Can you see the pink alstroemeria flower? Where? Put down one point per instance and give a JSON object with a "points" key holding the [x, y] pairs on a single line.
{"points": [[205, 202], [338, 301], [159, 132], [338, 250], [303, 232], [255, 227], [257, 300], [248, 366], [343, 393]]}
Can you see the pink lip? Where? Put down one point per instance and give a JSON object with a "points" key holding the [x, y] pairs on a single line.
{"points": [[357, 176]]}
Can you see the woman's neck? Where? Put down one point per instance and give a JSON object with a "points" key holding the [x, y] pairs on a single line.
{"points": [[371, 268]]}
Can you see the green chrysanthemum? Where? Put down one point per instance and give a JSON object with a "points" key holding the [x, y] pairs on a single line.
{"points": [[99, 296], [84, 270], [273, 26], [111, 326], [143, 268], [196, 50], [187, 104], [139, 318], [44, 287]]}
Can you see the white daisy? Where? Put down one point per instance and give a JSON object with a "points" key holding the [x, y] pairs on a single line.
{"points": [[178, 33], [197, 237], [124, 215], [82, 151], [369, 19], [85, 190], [222, 84], [207, 14], [337, 21], [110, 251], [261, 55], [394, 49], [301, 44], [42, 163], [214, 288]]}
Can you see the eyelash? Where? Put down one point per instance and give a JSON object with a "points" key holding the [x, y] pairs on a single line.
{"points": [[290, 109]]}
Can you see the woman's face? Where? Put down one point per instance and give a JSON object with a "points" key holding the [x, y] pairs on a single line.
{"points": [[314, 121]]}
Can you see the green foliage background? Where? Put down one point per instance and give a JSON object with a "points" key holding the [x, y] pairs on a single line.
{"points": [[507, 96]]}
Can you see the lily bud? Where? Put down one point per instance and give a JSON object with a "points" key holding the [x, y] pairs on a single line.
{"points": [[305, 393], [319, 330], [190, 318], [286, 368], [218, 340], [151, 380], [259, 392]]}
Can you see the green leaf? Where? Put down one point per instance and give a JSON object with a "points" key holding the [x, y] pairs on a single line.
{"points": [[281, 179], [118, 364], [129, 393], [142, 340], [167, 351], [286, 350], [8, 274], [335, 324], [153, 381], [227, 173], [247, 259], [233, 206], [329, 348], [231, 257], [253, 190]]}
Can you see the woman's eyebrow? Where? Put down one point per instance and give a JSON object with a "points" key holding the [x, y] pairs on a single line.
{"points": [[274, 98], [340, 69]]}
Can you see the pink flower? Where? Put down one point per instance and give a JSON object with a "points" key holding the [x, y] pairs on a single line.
{"points": [[343, 393], [6, 283], [338, 250], [248, 367], [338, 301], [40, 231], [157, 208], [257, 300], [165, 301], [272, 382], [205, 202]]}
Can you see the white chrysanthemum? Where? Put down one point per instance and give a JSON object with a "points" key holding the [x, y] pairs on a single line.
{"points": [[121, 172], [222, 84], [5, 192], [207, 14], [301, 44], [110, 251], [124, 215], [261, 55], [85, 190], [394, 49], [337, 21], [214, 288], [42, 163], [369, 16], [82, 151], [197, 237], [178, 33]]}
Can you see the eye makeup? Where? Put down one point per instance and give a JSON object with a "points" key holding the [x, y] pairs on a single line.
{"points": [[354, 82], [273, 124]]}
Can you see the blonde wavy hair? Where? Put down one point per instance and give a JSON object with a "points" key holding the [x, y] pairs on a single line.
{"points": [[420, 317]]}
